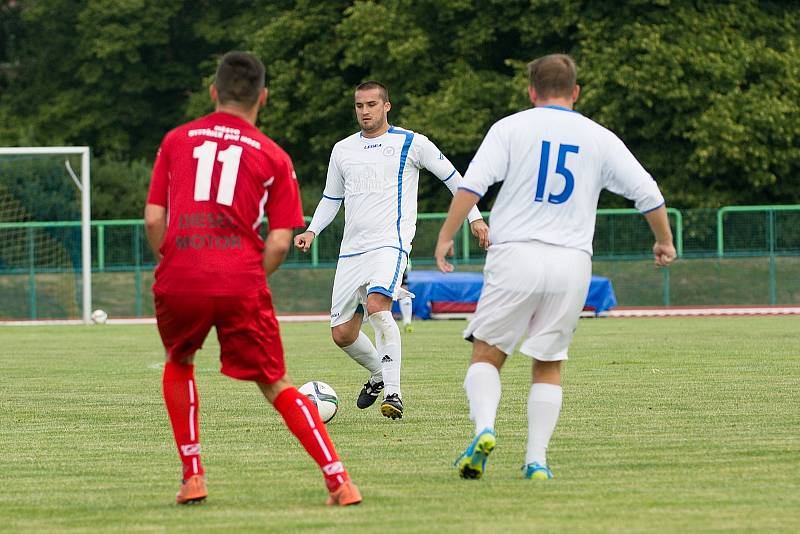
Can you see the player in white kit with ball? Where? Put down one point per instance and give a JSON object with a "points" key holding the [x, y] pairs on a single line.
{"points": [[376, 172]]}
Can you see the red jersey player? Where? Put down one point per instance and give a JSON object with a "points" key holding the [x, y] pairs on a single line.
{"points": [[213, 181]]}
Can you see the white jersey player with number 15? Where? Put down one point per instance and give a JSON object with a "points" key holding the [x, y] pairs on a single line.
{"points": [[552, 162], [376, 173]]}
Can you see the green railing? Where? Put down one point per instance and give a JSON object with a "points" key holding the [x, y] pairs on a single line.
{"points": [[750, 249], [771, 243]]}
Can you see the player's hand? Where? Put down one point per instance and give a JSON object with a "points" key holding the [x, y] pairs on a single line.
{"points": [[664, 253], [444, 247], [480, 229], [303, 241]]}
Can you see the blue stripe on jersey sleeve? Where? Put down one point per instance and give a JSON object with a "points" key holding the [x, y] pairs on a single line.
{"points": [[332, 198], [470, 190], [451, 175], [653, 209]]}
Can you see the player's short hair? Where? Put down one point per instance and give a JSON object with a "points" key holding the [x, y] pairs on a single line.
{"points": [[554, 75], [239, 79], [372, 84]]}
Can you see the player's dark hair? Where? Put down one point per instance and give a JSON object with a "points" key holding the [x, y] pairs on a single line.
{"points": [[372, 84], [239, 79], [553, 76]]}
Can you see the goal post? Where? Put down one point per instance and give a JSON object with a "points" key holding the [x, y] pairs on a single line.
{"points": [[83, 185]]}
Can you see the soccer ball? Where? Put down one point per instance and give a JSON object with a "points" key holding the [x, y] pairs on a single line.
{"points": [[323, 397], [99, 317]]}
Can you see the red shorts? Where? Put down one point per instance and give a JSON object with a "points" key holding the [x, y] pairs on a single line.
{"points": [[247, 330]]}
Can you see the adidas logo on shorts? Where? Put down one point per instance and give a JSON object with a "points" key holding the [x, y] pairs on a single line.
{"points": [[386, 359]]}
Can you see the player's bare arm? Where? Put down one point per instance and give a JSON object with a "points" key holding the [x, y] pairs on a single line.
{"points": [[276, 248], [303, 241], [663, 249], [155, 226], [463, 201]]}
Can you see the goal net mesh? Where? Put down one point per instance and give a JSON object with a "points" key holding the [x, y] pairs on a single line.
{"points": [[40, 237]]}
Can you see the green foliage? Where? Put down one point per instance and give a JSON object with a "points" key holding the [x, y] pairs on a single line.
{"points": [[119, 188], [705, 93], [111, 74]]}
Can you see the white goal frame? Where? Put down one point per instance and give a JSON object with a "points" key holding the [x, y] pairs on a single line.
{"points": [[86, 215]]}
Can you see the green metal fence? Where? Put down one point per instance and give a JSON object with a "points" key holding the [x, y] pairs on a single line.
{"points": [[732, 256]]}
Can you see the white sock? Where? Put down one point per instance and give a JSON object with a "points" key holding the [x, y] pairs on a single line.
{"points": [[405, 309], [482, 385], [363, 351], [387, 341], [544, 405]]}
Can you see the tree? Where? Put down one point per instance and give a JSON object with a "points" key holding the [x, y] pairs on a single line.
{"points": [[704, 93]]}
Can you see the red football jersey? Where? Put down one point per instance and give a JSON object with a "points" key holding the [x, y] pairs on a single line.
{"points": [[218, 176]]}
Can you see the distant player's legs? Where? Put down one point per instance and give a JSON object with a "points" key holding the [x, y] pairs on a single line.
{"points": [[387, 341], [482, 385], [406, 308], [302, 419]]}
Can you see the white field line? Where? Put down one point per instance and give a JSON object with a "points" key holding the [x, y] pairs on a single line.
{"points": [[150, 320], [726, 311]]}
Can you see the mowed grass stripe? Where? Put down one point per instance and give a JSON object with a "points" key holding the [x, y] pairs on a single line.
{"points": [[667, 425]]}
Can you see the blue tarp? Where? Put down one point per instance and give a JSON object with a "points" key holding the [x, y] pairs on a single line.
{"points": [[433, 286]]}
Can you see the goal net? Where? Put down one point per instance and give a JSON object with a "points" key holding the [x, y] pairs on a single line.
{"points": [[45, 240]]}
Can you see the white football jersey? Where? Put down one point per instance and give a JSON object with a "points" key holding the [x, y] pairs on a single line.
{"points": [[553, 163], [378, 180]]}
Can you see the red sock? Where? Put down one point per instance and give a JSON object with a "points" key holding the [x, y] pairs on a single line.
{"points": [[180, 396], [303, 421]]}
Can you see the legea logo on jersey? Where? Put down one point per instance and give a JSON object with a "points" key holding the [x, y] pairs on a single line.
{"points": [[367, 147]]}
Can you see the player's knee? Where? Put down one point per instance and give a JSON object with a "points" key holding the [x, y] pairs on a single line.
{"points": [[377, 303], [344, 336], [548, 372]]}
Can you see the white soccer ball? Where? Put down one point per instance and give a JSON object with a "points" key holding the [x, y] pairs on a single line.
{"points": [[99, 317], [323, 397]]}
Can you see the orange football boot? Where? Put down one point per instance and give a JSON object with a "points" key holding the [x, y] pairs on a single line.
{"points": [[345, 495], [193, 490]]}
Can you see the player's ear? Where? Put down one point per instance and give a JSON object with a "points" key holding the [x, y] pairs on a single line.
{"points": [[387, 106], [576, 91], [212, 92], [532, 94], [262, 97]]}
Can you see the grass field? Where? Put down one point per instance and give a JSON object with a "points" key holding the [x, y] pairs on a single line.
{"points": [[668, 425]]}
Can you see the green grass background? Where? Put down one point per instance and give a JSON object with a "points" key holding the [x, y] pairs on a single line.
{"points": [[667, 425]]}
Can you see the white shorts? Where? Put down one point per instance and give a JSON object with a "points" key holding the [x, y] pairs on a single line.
{"points": [[532, 292], [376, 271]]}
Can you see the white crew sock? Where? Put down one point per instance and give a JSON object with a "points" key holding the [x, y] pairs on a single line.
{"points": [[363, 351], [387, 341], [405, 309], [482, 385], [544, 405]]}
